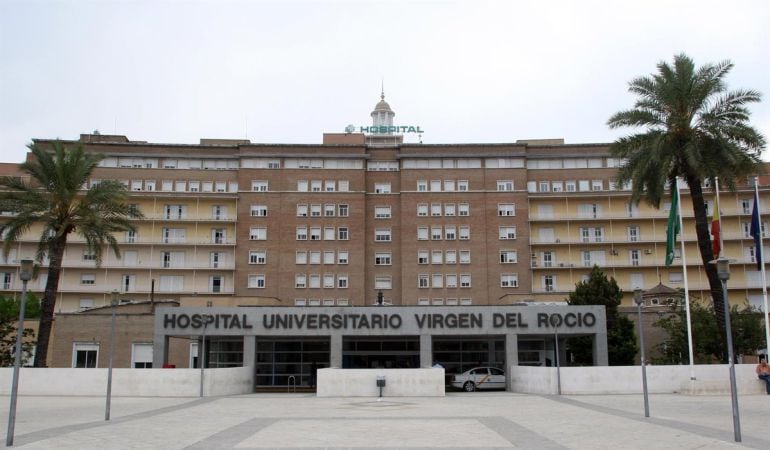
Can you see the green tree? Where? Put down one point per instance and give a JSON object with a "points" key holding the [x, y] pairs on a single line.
{"points": [[621, 339], [9, 319], [695, 129], [747, 325], [53, 197]]}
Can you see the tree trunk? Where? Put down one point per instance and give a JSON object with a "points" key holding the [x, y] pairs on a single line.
{"points": [[707, 255], [48, 304]]}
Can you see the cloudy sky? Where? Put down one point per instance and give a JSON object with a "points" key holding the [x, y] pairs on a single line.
{"points": [[288, 71]]}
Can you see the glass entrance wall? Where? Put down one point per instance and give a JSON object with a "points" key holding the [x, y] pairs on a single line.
{"points": [[458, 354], [279, 359], [224, 352], [368, 352]]}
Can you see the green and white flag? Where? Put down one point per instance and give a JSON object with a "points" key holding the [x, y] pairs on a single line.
{"points": [[672, 229]]}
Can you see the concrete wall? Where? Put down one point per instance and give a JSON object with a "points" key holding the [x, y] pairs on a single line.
{"points": [[129, 382], [363, 382], [709, 379]]}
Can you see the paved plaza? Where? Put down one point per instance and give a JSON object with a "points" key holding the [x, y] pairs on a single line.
{"points": [[459, 420]]}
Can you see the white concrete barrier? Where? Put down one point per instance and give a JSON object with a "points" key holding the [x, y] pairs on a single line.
{"points": [[363, 382], [709, 379], [129, 382]]}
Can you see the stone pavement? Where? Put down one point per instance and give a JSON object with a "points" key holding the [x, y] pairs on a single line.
{"points": [[459, 420]]}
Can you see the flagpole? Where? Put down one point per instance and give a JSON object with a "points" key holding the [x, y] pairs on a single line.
{"points": [[686, 287], [762, 264]]}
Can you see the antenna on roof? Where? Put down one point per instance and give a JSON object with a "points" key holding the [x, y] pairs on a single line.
{"points": [[382, 89]]}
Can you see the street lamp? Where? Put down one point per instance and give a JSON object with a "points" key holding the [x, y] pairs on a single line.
{"points": [[723, 272], [555, 322], [202, 347], [114, 299], [25, 274], [639, 301]]}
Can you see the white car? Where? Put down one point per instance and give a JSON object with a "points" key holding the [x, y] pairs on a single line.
{"points": [[479, 378]]}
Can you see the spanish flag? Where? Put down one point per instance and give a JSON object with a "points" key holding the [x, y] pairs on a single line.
{"points": [[716, 229]]}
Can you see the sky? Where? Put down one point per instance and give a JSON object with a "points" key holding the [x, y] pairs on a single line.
{"points": [[288, 71]]}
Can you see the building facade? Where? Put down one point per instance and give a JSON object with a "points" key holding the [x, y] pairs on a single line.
{"points": [[366, 219]]}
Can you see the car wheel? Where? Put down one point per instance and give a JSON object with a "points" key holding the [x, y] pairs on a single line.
{"points": [[469, 386]]}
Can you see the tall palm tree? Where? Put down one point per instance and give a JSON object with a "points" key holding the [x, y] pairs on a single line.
{"points": [[695, 129], [54, 198]]}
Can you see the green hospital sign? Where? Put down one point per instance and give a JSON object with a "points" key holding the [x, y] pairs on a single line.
{"points": [[391, 129]]}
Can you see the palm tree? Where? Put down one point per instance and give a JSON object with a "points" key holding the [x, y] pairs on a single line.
{"points": [[54, 198], [695, 129]]}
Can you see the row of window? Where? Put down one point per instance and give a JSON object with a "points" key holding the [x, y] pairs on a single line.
{"points": [[179, 236], [443, 257], [318, 210], [318, 281], [449, 209], [322, 257], [304, 233], [168, 283], [447, 232], [321, 302], [441, 301], [176, 185], [440, 280]]}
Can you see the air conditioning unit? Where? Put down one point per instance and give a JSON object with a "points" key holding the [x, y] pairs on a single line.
{"points": [[534, 263], [648, 252], [614, 252], [558, 241], [561, 264]]}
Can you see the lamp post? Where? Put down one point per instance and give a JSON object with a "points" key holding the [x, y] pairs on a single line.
{"points": [[639, 302], [25, 274], [555, 322], [202, 349], [723, 272], [114, 299]]}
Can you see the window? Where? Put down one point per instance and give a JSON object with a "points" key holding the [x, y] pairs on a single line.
{"points": [[583, 185], [342, 210], [462, 185], [465, 232], [216, 283], [597, 185], [343, 185], [451, 281], [382, 259], [301, 233], [87, 278], [509, 280], [89, 256], [259, 186], [315, 233], [435, 233], [423, 301], [174, 211], [422, 233], [465, 281], [506, 209], [328, 281], [422, 257], [589, 211], [451, 257], [464, 209], [316, 186], [544, 186], [548, 259], [149, 185], [423, 281], [548, 283], [329, 185], [315, 257], [258, 211], [300, 281], [382, 235], [422, 210], [571, 186], [342, 257], [435, 185], [85, 355], [172, 259], [746, 205], [256, 281], [635, 257], [302, 185], [449, 185], [167, 185], [342, 281], [257, 233], [449, 210], [302, 210], [141, 356], [315, 281], [218, 235], [258, 257], [558, 186], [329, 257], [382, 212], [450, 232], [465, 256], [437, 280], [505, 185], [329, 234], [6, 280], [219, 212], [382, 188], [86, 303], [435, 209], [633, 233], [437, 257], [329, 210], [342, 233], [171, 283], [383, 282], [508, 257], [300, 257], [422, 186], [315, 210]]}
